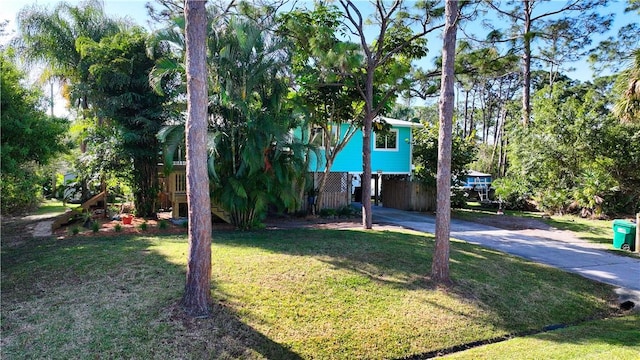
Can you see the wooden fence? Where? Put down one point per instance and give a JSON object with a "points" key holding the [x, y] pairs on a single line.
{"points": [[407, 195], [337, 192]]}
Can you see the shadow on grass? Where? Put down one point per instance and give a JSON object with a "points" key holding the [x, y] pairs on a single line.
{"points": [[522, 295], [120, 293], [114, 297]]}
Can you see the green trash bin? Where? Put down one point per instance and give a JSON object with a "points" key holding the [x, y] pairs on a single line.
{"points": [[624, 235]]}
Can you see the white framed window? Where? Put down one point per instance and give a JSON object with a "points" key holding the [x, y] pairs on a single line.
{"points": [[387, 141], [318, 136]]}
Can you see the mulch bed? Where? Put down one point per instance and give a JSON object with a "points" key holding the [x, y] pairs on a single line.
{"points": [[108, 226]]}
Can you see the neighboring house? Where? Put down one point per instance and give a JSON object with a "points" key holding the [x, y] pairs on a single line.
{"points": [[478, 182], [391, 154]]}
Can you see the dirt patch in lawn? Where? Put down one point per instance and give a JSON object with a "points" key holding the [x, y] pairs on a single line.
{"points": [[511, 222]]}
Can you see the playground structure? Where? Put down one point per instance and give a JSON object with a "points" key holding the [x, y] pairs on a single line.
{"points": [[86, 206]]}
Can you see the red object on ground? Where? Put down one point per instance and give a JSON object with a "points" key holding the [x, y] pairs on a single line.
{"points": [[126, 219]]}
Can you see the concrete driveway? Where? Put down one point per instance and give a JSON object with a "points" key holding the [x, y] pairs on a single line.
{"points": [[564, 252]]}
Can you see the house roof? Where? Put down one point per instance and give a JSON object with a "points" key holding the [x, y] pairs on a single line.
{"points": [[477, 174], [398, 122]]}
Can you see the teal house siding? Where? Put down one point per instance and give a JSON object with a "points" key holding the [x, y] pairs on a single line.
{"points": [[392, 156], [393, 161]]}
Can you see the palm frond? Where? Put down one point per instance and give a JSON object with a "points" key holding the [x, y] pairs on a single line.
{"points": [[172, 138]]}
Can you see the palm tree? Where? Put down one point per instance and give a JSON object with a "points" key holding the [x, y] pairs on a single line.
{"points": [[252, 160], [49, 37], [627, 108], [250, 119]]}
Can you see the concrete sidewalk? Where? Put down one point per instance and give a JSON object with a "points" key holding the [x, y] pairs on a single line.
{"points": [[573, 255]]}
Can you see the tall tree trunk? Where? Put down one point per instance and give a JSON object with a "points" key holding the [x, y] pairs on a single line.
{"points": [[440, 264], [367, 216], [526, 64], [323, 183], [197, 292], [486, 116], [503, 150], [497, 137], [329, 157], [466, 113], [473, 108]]}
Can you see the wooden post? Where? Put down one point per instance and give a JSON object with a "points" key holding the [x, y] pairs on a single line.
{"points": [[103, 186], [638, 232], [377, 182]]}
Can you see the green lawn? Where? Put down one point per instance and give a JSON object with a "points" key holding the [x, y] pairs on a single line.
{"points": [[615, 338], [54, 206], [279, 294], [595, 231]]}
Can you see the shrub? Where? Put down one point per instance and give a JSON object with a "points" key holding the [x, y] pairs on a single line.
{"points": [[75, 230], [553, 201], [144, 226], [117, 228], [513, 193], [163, 224], [595, 184], [458, 198], [347, 211], [20, 192], [328, 212], [95, 227]]}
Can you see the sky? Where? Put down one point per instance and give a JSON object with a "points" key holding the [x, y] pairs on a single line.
{"points": [[135, 10]]}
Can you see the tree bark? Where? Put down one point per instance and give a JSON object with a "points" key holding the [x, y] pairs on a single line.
{"points": [[197, 294], [367, 216], [638, 233], [473, 108], [440, 264], [526, 64], [466, 113]]}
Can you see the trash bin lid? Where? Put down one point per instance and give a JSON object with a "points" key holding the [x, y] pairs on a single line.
{"points": [[623, 223]]}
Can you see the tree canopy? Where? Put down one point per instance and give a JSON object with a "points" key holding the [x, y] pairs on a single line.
{"points": [[22, 121], [118, 84], [271, 70]]}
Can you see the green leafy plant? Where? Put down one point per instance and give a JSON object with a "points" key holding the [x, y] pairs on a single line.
{"points": [[328, 212], [117, 228], [75, 230], [22, 118], [163, 224], [458, 198], [513, 193], [347, 211], [95, 227], [463, 152], [144, 226], [594, 184], [553, 201]]}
